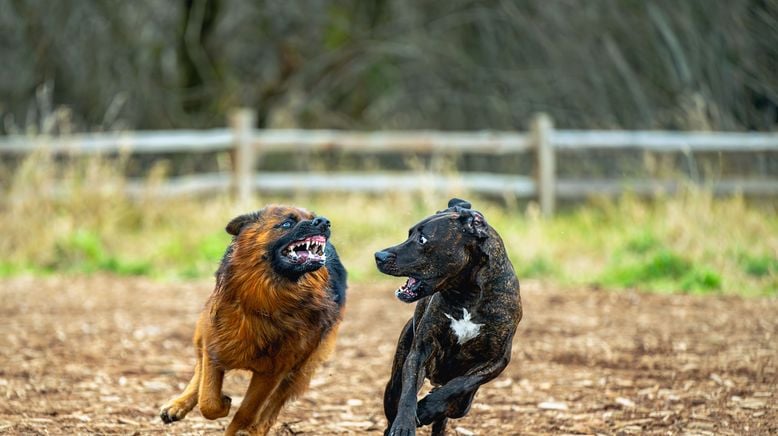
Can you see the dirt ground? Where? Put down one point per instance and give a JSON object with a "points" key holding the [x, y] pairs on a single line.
{"points": [[100, 355]]}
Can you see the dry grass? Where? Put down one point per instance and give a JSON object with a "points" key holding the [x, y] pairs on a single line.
{"points": [[72, 216]]}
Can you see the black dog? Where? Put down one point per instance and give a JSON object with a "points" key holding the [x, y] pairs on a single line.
{"points": [[461, 332]]}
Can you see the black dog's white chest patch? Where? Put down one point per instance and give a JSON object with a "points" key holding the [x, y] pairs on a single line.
{"points": [[464, 329]]}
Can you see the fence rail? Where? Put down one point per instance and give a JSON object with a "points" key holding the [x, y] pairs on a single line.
{"points": [[143, 142], [247, 143], [662, 141]]}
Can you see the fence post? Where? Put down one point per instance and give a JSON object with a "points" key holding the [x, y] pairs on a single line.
{"points": [[542, 129], [242, 123]]}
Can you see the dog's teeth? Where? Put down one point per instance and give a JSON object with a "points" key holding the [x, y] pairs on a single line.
{"points": [[314, 247]]}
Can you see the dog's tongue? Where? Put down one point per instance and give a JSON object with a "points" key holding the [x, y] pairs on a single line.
{"points": [[411, 281]]}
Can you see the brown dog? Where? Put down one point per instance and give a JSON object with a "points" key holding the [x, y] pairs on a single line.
{"points": [[275, 311]]}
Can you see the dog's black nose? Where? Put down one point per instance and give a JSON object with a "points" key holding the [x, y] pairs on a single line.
{"points": [[321, 221], [383, 256]]}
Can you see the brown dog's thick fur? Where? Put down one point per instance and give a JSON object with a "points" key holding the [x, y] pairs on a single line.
{"points": [[259, 318]]}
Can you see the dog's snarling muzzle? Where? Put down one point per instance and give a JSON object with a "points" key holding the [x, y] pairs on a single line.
{"points": [[310, 249], [412, 290]]}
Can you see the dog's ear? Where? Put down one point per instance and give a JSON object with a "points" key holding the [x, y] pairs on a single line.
{"points": [[236, 225], [458, 202], [474, 223]]}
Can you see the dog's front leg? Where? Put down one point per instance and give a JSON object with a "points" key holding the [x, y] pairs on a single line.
{"points": [[453, 399], [260, 388], [394, 386], [176, 409], [213, 404], [405, 422]]}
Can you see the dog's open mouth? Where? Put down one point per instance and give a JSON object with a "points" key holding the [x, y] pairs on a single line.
{"points": [[310, 249], [411, 291]]}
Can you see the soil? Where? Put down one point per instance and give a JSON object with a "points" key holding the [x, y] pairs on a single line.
{"points": [[101, 354]]}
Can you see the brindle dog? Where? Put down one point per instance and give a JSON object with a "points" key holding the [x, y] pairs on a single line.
{"points": [[467, 313]]}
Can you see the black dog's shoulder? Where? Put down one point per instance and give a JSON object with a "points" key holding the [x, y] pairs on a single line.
{"points": [[338, 275]]}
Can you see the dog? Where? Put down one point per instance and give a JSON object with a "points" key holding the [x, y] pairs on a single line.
{"points": [[275, 310], [467, 313]]}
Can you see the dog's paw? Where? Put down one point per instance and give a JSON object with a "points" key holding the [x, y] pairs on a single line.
{"points": [[216, 411], [402, 431], [430, 408], [402, 428], [425, 412], [172, 412]]}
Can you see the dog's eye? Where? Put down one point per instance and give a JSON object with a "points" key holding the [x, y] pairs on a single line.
{"points": [[422, 240], [286, 224]]}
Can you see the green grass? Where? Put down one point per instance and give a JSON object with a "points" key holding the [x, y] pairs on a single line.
{"points": [[759, 266], [689, 243], [537, 267], [663, 270]]}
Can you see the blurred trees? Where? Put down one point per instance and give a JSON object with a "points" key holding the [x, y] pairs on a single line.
{"points": [[453, 64]]}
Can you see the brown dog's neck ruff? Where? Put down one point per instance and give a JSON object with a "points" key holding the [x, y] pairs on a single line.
{"points": [[274, 309], [268, 294]]}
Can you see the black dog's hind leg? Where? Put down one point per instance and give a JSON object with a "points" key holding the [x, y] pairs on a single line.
{"points": [[394, 386], [453, 399], [455, 407], [439, 427]]}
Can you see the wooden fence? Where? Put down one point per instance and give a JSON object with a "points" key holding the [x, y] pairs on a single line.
{"points": [[246, 143]]}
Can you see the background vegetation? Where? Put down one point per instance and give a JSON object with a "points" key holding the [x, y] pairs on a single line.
{"points": [[688, 243], [456, 64], [375, 64]]}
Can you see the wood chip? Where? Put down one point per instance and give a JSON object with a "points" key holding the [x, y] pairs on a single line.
{"points": [[155, 386], [81, 417], [751, 403], [552, 405], [504, 383], [634, 422], [355, 424]]}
